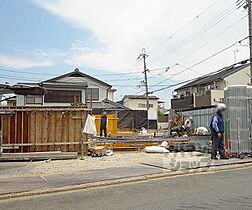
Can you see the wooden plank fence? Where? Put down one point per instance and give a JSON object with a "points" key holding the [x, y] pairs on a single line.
{"points": [[38, 129]]}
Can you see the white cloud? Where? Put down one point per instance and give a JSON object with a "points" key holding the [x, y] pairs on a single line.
{"points": [[21, 63], [120, 28]]}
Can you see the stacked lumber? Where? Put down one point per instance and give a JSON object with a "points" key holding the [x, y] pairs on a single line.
{"points": [[38, 156]]}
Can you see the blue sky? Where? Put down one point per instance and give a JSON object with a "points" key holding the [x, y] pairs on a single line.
{"points": [[28, 26], [47, 38]]}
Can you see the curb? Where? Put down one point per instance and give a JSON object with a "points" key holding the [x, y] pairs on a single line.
{"points": [[161, 175]]}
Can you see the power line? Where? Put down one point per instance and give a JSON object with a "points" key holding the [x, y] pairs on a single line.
{"points": [[15, 77], [173, 85], [206, 43], [106, 74], [205, 59], [190, 80], [188, 23], [51, 74], [26, 72], [18, 79], [112, 74], [176, 64], [210, 24], [217, 53], [186, 81], [204, 29], [130, 79], [38, 79]]}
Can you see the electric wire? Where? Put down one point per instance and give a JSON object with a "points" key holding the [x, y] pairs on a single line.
{"points": [[206, 27], [194, 36], [202, 61], [187, 24]]}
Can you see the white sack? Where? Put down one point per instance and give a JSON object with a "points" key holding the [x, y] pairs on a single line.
{"points": [[155, 149], [202, 131], [164, 144], [90, 127]]}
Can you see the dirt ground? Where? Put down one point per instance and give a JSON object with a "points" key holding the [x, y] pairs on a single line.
{"points": [[89, 163]]}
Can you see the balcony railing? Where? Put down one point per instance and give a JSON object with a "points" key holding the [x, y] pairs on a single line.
{"points": [[209, 98], [183, 103], [202, 99]]}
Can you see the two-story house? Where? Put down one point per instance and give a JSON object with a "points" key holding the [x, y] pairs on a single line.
{"points": [[208, 90], [67, 89], [138, 102]]}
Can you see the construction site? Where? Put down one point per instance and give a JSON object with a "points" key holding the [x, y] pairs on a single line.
{"points": [[87, 113], [62, 133], [47, 142], [59, 131]]}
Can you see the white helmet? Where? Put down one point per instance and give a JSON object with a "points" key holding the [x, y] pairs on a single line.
{"points": [[221, 106]]}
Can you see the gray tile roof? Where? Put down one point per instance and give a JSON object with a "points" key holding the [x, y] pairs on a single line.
{"points": [[22, 89], [215, 76], [109, 105], [75, 73], [139, 97]]}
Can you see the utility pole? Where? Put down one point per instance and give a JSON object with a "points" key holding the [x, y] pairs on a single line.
{"points": [[250, 36], [144, 56]]}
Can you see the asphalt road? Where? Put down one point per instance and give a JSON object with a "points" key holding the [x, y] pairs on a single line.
{"points": [[221, 190]]}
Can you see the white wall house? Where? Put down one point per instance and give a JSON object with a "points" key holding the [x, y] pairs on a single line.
{"points": [[138, 102], [64, 90]]}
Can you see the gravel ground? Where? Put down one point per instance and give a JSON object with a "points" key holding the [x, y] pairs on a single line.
{"points": [[89, 163]]}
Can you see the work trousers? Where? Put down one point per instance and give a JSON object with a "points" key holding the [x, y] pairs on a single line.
{"points": [[217, 144], [105, 131]]}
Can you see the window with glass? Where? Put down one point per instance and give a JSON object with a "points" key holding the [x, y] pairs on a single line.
{"points": [[63, 96], [94, 92], [34, 99], [142, 105]]}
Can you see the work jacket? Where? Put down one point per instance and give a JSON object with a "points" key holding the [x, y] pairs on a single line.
{"points": [[217, 123]]}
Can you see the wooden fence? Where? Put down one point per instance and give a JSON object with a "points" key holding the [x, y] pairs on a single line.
{"points": [[36, 129]]}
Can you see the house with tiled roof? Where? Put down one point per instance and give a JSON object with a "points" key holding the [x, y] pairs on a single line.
{"points": [[138, 102], [71, 88], [208, 90]]}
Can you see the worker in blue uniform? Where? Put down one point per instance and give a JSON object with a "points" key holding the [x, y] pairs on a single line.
{"points": [[217, 132]]}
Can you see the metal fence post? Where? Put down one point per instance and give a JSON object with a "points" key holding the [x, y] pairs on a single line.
{"points": [[82, 148], [1, 143]]}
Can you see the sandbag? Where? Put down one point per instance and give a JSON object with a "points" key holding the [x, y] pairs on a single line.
{"points": [[202, 131], [155, 149]]}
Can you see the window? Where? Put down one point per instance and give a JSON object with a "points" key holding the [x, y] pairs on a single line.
{"points": [[141, 105], [95, 94], [34, 99], [63, 96]]}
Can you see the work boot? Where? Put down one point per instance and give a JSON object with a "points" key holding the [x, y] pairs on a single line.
{"points": [[214, 158], [224, 158]]}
